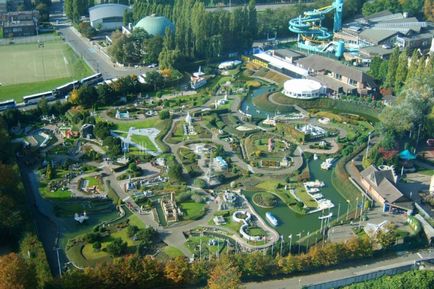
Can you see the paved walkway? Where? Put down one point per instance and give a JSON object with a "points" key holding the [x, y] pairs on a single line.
{"points": [[350, 270]]}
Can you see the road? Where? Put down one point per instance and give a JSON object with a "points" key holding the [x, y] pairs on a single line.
{"points": [[94, 57], [361, 268], [261, 7]]}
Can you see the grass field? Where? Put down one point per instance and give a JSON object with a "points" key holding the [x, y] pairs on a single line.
{"points": [[27, 69], [192, 210]]}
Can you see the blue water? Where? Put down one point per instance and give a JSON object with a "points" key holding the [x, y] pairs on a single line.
{"points": [[292, 223], [248, 106]]}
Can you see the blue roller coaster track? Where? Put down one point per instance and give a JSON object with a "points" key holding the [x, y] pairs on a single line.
{"points": [[309, 26]]}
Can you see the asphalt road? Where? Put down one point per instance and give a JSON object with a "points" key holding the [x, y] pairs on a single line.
{"points": [[96, 58], [361, 268], [260, 7]]}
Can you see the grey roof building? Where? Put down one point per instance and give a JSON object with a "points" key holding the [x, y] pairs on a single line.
{"points": [[3, 6], [107, 16], [337, 76], [380, 184]]}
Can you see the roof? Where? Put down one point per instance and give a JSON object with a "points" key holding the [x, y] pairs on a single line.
{"points": [[106, 11], [376, 50], [384, 16], [155, 25], [320, 63], [287, 53], [276, 62], [379, 15], [407, 155], [383, 183], [375, 36], [302, 86], [28, 23], [333, 84]]}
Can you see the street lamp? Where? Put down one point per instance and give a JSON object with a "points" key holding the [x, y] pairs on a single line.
{"points": [[348, 209], [357, 204], [290, 242], [299, 237]]}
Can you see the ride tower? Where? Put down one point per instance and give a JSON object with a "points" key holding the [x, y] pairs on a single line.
{"points": [[311, 35]]}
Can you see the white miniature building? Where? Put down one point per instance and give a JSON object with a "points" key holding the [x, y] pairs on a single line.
{"points": [[219, 220]]}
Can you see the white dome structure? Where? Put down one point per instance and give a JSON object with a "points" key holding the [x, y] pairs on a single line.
{"points": [[303, 88]]}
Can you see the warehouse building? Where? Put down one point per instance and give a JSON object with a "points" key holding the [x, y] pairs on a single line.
{"points": [[107, 17]]}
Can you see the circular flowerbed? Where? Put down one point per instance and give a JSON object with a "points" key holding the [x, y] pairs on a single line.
{"points": [[265, 200]]}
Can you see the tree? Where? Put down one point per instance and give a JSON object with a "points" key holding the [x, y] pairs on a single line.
{"points": [[96, 246], [175, 171], [164, 114], [391, 69], [386, 237], [132, 230], [199, 183], [428, 10], [117, 247], [414, 63], [152, 47], [50, 171], [401, 71], [224, 275], [15, 273], [114, 146], [177, 270], [154, 79], [102, 129]]}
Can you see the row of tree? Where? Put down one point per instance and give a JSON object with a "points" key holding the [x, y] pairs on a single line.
{"points": [[398, 70], [414, 7], [412, 117], [225, 272], [203, 34]]}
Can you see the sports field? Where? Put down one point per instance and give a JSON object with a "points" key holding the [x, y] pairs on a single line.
{"points": [[27, 68]]}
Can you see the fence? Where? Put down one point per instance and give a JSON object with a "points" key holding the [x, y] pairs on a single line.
{"points": [[362, 277]]}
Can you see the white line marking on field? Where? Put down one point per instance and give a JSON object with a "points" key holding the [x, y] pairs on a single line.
{"points": [[66, 61]]}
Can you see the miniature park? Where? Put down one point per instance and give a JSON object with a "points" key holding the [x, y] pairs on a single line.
{"points": [[255, 153], [235, 172]]}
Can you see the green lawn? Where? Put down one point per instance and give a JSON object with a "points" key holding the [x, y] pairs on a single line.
{"points": [[143, 141], [58, 194], [135, 221], [145, 123], [27, 69], [172, 252], [192, 210]]}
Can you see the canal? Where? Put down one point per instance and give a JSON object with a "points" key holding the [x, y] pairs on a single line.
{"points": [[248, 105], [291, 223]]}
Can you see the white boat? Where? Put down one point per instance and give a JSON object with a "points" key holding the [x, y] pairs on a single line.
{"points": [[317, 196], [326, 216], [327, 164], [271, 219], [312, 190], [315, 157]]}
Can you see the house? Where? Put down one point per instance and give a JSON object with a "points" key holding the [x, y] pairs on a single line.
{"points": [[107, 17], [86, 131], [336, 76], [3, 6], [20, 23], [219, 220], [381, 186], [221, 163]]}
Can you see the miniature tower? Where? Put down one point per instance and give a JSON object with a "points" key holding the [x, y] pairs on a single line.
{"points": [[270, 145], [188, 119]]}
